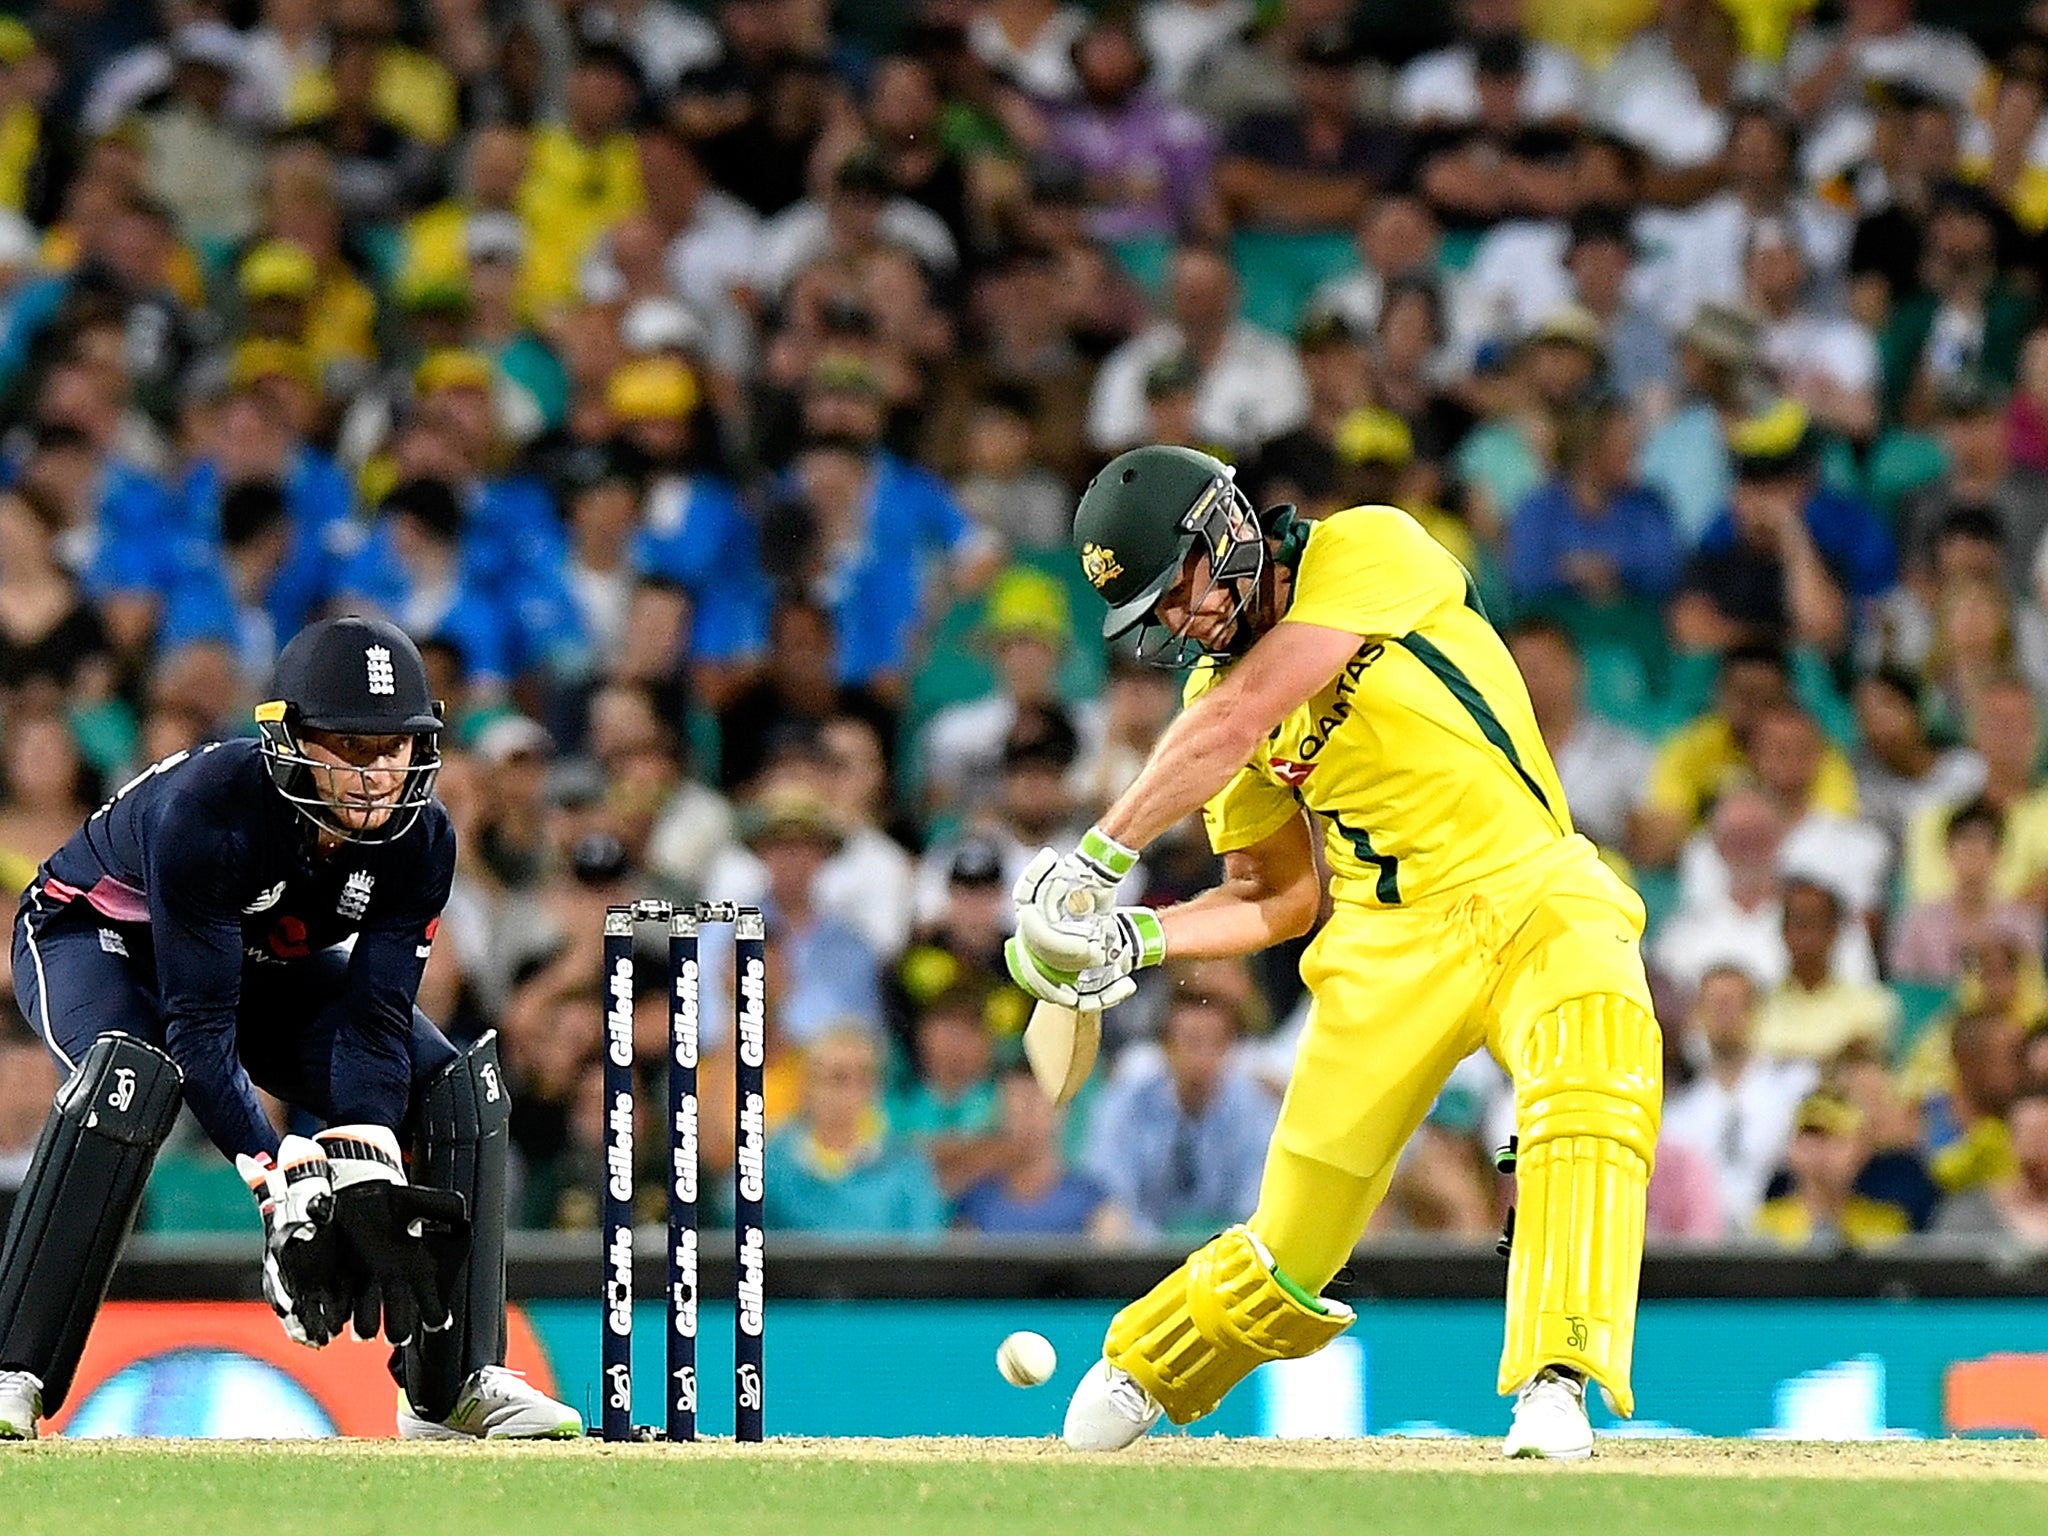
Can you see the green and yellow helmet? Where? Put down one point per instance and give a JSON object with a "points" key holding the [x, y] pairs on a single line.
{"points": [[1137, 523]]}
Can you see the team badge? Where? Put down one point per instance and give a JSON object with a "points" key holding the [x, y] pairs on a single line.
{"points": [[1099, 565], [266, 901], [377, 660], [355, 895]]}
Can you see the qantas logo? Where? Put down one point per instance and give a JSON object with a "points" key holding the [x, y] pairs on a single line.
{"points": [[1289, 772], [266, 901]]}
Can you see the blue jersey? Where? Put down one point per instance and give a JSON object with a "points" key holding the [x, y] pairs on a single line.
{"points": [[203, 852]]}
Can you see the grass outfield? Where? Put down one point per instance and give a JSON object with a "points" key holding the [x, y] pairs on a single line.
{"points": [[1171, 1487]]}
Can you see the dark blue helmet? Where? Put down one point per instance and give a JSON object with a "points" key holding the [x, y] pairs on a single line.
{"points": [[351, 676]]}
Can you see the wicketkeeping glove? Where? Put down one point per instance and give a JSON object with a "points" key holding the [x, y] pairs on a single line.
{"points": [[1061, 900], [302, 1277], [401, 1246], [1131, 938]]}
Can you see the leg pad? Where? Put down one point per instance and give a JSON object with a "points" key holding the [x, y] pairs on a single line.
{"points": [[83, 1189], [463, 1143], [1588, 1100], [1205, 1327]]}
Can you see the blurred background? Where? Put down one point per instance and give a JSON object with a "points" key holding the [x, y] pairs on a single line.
{"points": [[708, 388]]}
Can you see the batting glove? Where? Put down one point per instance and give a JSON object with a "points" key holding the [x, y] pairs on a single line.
{"points": [[1063, 901], [1134, 938]]}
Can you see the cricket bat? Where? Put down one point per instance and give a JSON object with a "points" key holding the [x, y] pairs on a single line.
{"points": [[1060, 1044]]}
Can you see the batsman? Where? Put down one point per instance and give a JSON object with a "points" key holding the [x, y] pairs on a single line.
{"points": [[258, 913], [1344, 677]]}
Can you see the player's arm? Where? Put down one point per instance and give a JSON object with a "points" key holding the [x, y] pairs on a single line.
{"points": [[196, 926], [1223, 729], [371, 1078], [1271, 892]]}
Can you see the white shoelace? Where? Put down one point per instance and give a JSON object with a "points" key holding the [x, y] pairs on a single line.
{"points": [[1132, 1400]]}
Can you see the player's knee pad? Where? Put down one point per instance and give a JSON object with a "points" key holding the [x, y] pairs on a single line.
{"points": [[462, 1141], [1203, 1329], [1588, 1101], [84, 1184]]}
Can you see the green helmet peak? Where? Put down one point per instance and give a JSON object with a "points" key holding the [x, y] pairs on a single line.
{"points": [[1140, 517]]}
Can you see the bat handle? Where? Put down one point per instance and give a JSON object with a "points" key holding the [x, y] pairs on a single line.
{"points": [[1080, 903]]}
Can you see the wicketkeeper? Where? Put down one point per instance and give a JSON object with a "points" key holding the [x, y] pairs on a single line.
{"points": [[191, 943]]}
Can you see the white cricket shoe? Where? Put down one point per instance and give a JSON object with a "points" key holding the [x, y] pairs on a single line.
{"points": [[1108, 1410], [1550, 1419], [21, 1404], [496, 1404]]}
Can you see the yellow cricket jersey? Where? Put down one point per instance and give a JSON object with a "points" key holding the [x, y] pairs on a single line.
{"points": [[1422, 755]]}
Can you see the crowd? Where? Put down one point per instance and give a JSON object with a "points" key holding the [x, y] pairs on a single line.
{"points": [[708, 391]]}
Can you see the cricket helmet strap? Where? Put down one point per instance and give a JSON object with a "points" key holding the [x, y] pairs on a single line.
{"points": [[1136, 524], [352, 676]]}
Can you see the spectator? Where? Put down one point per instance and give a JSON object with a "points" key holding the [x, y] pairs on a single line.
{"points": [[703, 601], [795, 694], [1895, 1171], [1913, 151], [1740, 1110], [1029, 44], [837, 1169], [1685, 457], [1026, 504], [1685, 1196], [1708, 243], [873, 538], [1933, 937], [1314, 168], [1601, 258], [950, 1106], [1180, 36], [1670, 89], [1397, 241], [1145, 163], [830, 969], [1445, 87], [1592, 536], [1179, 1139], [1966, 318], [1899, 771], [1514, 451], [43, 784], [1980, 473], [1813, 1014], [1968, 1142], [1028, 627], [1036, 1192], [2006, 737], [1601, 765], [859, 213], [53, 648], [1830, 70], [1249, 386], [202, 162], [2012, 1211], [1846, 854], [1790, 561], [1823, 1212], [1138, 702], [1439, 1185], [1700, 761], [1826, 362], [583, 173], [1018, 315]]}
